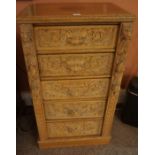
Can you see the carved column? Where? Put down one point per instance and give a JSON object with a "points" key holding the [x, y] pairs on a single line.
{"points": [[33, 73], [119, 65]]}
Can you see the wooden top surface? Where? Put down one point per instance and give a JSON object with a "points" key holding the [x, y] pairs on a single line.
{"points": [[73, 12]]}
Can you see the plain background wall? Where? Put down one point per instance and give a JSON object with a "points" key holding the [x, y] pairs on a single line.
{"points": [[132, 58]]}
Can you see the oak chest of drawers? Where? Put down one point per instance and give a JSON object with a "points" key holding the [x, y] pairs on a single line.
{"points": [[75, 56]]}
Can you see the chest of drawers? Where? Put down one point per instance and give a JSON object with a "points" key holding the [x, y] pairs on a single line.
{"points": [[75, 56]]}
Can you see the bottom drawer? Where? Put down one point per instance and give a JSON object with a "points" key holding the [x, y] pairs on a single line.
{"points": [[74, 128]]}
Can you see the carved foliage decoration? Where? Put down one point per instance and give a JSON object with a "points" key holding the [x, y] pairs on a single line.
{"points": [[76, 128], [73, 37], [64, 89], [119, 64], [74, 109], [33, 74], [30, 57], [76, 64], [125, 36]]}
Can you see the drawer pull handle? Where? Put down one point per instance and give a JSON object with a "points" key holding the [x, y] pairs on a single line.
{"points": [[75, 42]]}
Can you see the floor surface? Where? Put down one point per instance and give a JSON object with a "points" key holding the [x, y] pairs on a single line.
{"points": [[124, 142]]}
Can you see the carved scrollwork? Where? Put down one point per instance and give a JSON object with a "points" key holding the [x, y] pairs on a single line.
{"points": [[26, 35], [77, 128], [74, 36], [30, 57], [76, 64], [33, 74], [126, 31], [75, 89], [119, 64], [76, 109]]}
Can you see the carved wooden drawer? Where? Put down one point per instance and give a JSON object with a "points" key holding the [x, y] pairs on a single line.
{"points": [[76, 64], [74, 128], [74, 109], [70, 89], [75, 58], [75, 37]]}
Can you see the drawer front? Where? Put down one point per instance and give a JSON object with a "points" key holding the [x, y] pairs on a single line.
{"points": [[74, 109], [75, 64], [75, 37], [67, 89], [74, 128]]}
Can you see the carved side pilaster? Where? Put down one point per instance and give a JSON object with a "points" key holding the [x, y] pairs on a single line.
{"points": [[26, 31], [119, 65], [124, 38]]}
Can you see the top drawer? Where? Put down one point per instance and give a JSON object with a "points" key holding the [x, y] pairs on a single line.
{"points": [[75, 37]]}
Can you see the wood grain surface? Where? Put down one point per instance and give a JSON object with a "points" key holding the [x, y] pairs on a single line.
{"points": [[75, 37], [75, 64], [74, 128], [74, 109], [70, 89]]}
